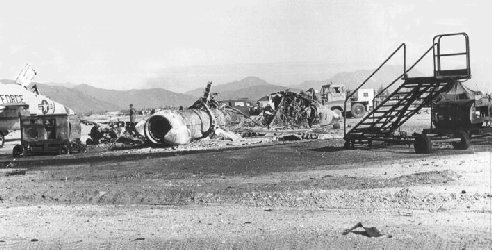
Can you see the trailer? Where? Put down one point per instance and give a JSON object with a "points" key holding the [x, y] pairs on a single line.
{"points": [[49, 134], [457, 116]]}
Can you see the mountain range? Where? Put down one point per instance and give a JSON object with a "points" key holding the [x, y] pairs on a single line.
{"points": [[353, 79], [250, 87], [85, 98]]}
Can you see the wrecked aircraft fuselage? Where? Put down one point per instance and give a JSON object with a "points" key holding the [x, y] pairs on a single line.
{"points": [[181, 127]]}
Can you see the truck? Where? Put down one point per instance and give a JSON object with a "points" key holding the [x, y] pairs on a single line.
{"points": [[333, 96]]}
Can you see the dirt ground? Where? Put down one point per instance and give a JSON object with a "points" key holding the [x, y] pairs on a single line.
{"points": [[252, 194]]}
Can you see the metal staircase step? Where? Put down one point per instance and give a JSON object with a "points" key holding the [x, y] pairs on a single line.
{"points": [[395, 109], [388, 111], [370, 123]]}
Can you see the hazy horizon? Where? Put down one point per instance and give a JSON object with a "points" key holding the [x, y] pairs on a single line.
{"points": [[182, 45]]}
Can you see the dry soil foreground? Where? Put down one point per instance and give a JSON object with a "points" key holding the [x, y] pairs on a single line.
{"points": [[295, 195]]}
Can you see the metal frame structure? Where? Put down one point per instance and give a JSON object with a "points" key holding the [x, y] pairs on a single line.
{"points": [[408, 98]]}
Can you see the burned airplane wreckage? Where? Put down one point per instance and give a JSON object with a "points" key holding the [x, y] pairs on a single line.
{"points": [[293, 109], [200, 120], [207, 116]]}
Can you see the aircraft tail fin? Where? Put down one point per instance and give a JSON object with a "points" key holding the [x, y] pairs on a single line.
{"points": [[26, 76]]}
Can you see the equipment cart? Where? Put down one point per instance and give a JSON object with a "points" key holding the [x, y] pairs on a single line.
{"points": [[49, 134]]}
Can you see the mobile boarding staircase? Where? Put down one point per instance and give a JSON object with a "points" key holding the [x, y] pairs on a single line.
{"points": [[406, 100]]}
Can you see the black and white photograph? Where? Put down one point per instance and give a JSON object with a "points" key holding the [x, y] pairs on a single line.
{"points": [[248, 124]]}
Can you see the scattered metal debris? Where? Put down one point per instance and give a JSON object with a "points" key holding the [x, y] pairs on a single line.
{"points": [[200, 120], [297, 110], [368, 231]]}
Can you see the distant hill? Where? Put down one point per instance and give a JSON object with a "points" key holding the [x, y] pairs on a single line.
{"points": [[77, 100], [85, 98], [252, 93], [250, 87], [353, 79], [247, 82], [140, 98], [7, 81]]}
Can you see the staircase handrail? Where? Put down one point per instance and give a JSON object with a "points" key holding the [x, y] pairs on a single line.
{"points": [[405, 74], [394, 81], [404, 46]]}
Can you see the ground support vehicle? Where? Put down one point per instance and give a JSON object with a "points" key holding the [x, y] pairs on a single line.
{"points": [[333, 97], [459, 115], [49, 134]]}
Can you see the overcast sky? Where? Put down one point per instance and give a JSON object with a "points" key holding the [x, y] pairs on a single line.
{"points": [[123, 44]]}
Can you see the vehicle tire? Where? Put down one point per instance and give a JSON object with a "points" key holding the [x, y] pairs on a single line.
{"points": [[346, 145], [349, 144], [338, 112], [18, 151], [465, 140], [2, 140], [358, 110], [336, 125], [422, 144]]}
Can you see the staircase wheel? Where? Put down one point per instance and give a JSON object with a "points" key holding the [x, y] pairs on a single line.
{"points": [[358, 110], [18, 151], [465, 140], [422, 144], [347, 145]]}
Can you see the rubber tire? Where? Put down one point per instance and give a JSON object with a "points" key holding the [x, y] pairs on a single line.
{"points": [[336, 125], [358, 110], [346, 145], [2, 140], [349, 144], [422, 144], [18, 151], [338, 112], [465, 140]]}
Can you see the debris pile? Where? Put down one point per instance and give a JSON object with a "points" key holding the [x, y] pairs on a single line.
{"points": [[200, 120], [207, 118], [297, 110], [103, 134]]}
